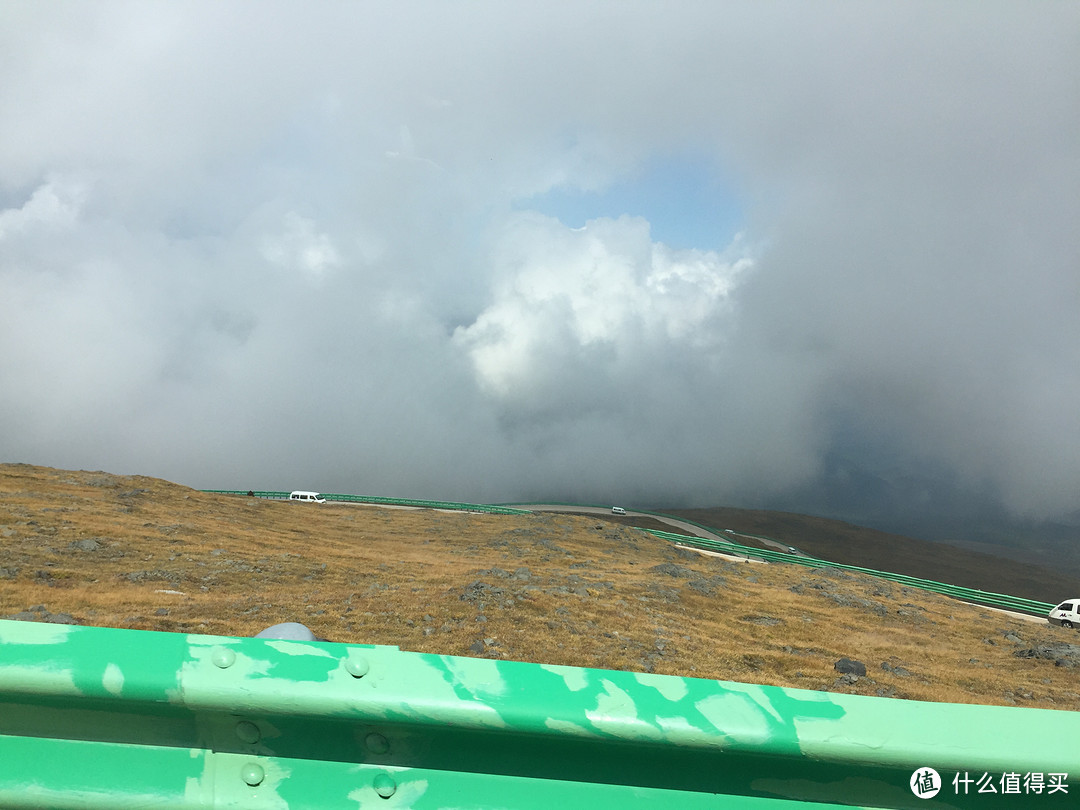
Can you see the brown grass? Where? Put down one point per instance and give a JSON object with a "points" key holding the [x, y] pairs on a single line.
{"points": [[454, 583]]}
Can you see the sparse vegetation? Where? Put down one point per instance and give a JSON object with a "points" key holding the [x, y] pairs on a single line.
{"points": [[143, 553]]}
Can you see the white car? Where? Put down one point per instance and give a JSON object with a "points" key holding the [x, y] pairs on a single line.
{"points": [[618, 510], [1067, 614], [306, 497]]}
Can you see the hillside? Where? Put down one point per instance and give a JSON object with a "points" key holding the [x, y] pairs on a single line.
{"points": [[845, 543], [128, 551]]}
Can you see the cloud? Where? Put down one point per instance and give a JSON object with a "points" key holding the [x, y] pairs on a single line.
{"points": [[297, 247], [596, 301], [53, 205], [301, 248]]}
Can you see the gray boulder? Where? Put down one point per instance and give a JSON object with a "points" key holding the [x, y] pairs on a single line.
{"points": [[846, 666]]}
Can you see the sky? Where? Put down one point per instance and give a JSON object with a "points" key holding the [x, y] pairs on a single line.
{"points": [[815, 256]]}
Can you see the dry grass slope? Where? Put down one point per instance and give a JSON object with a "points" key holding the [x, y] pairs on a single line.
{"points": [[143, 553]]}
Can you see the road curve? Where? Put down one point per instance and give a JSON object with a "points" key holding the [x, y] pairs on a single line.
{"points": [[684, 526], [688, 528]]}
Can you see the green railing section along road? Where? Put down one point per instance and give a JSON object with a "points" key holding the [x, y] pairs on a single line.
{"points": [[375, 499], [990, 599], [104, 718], [987, 598]]}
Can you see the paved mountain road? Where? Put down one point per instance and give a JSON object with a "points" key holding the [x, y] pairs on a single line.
{"points": [[683, 526]]}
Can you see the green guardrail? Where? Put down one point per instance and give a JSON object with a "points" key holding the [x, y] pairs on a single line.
{"points": [[986, 598], [663, 516], [375, 499], [104, 718]]}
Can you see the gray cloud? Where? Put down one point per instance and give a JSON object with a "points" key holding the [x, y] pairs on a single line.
{"points": [[251, 247]]}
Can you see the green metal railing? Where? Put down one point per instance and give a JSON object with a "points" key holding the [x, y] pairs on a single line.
{"points": [[663, 516], [375, 499], [987, 598], [103, 718]]}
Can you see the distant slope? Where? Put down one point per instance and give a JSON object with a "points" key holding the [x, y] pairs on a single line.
{"points": [[856, 545]]}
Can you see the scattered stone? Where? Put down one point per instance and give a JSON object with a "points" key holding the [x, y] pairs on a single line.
{"points": [[899, 671], [831, 573], [1010, 635], [1062, 654], [702, 586], [661, 592], [673, 570], [685, 553], [477, 647], [764, 621], [849, 667], [481, 592], [39, 613], [847, 600], [156, 575]]}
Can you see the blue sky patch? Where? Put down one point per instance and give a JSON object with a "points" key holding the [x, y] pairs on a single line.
{"points": [[687, 203]]}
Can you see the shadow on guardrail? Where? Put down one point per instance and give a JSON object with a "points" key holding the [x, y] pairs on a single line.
{"points": [[105, 718]]}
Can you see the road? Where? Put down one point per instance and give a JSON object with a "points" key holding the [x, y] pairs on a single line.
{"points": [[682, 525]]}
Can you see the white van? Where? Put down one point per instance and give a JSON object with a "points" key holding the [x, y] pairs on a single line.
{"points": [[1067, 614], [618, 510], [306, 497]]}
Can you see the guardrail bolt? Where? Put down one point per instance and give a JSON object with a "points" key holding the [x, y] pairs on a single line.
{"points": [[377, 743], [357, 667], [253, 774], [248, 732], [223, 657], [384, 785]]}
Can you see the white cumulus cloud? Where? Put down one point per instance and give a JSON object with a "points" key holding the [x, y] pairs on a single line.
{"points": [[605, 292]]}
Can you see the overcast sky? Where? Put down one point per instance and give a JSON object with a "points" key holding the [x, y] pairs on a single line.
{"points": [[809, 255]]}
